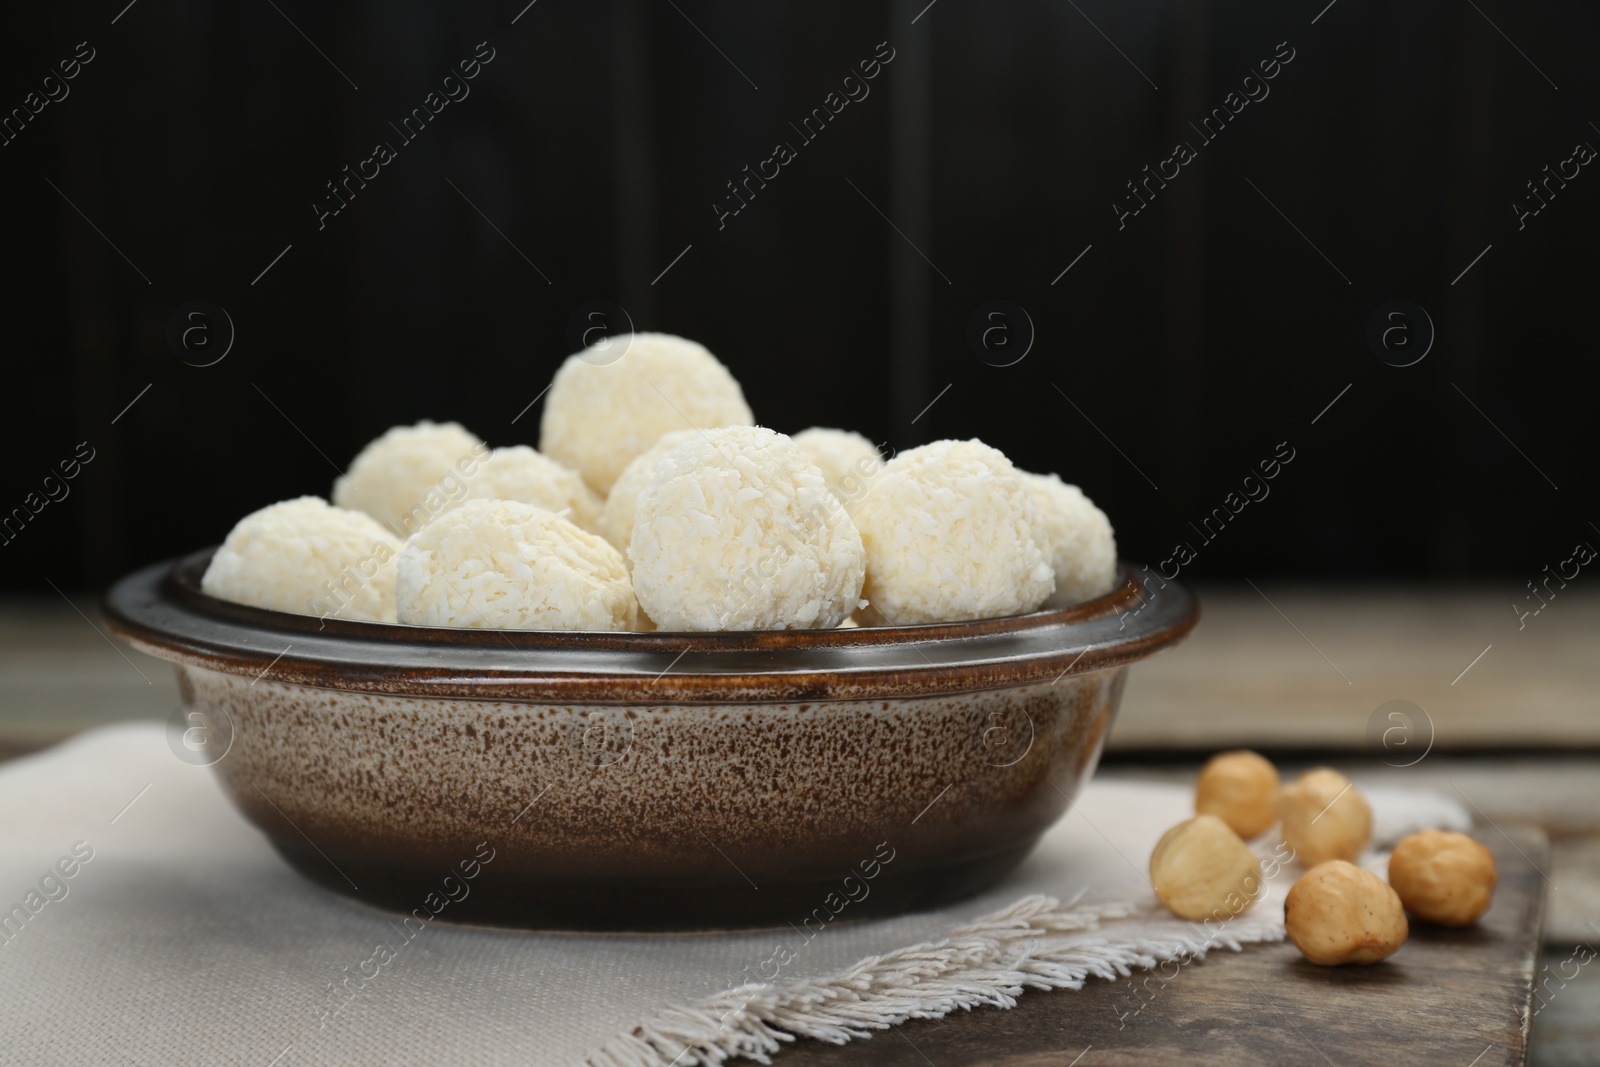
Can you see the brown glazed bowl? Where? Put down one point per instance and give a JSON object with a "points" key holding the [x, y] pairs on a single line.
{"points": [[648, 781]]}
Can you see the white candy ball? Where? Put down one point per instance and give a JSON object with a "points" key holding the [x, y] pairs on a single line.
{"points": [[1082, 549], [309, 558], [847, 459], [506, 565], [737, 530], [405, 478], [951, 532], [616, 516], [602, 411], [521, 474]]}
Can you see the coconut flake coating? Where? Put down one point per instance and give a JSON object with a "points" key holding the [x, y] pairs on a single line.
{"points": [[616, 516], [599, 415], [737, 530], [1082, 549], [411, 473], [502, 564], [951, 532], [521, 474], [307, 557], [848, 460]]}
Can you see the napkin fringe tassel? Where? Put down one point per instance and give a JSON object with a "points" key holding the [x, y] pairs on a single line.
{"points": [[1037, 943]]}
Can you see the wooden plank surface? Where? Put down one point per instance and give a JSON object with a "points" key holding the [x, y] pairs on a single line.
{"points": [[1307, 668], [1567, 1012], [1456, 997], [61, 673]]}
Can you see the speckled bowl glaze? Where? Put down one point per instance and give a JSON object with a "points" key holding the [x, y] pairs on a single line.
{"points": [[649, 781]]}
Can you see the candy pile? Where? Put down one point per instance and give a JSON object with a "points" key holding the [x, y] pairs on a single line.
{"points": [[653, 501]]}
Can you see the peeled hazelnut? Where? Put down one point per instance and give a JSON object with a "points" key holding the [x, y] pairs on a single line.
{"points": [[1443, 877], [1340, 913], [1241, 789], [1201, 870], [1324, 817]]}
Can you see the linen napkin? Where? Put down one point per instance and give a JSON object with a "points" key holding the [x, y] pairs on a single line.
{"points": [[143, 920]]}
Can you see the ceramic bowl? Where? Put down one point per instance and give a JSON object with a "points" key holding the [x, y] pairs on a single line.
{"points": [[647, 781]]}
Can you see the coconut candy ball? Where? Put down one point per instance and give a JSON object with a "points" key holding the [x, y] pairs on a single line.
{"points": [[502, 564], [951, 532], [848, 460], [603, 410], [519, 473], [1083, 550], [616, 515], [737, 530], [411, 474], [310, 558]]}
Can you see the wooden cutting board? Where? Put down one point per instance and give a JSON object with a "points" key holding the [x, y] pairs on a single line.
{"points": [[1454, 997]]}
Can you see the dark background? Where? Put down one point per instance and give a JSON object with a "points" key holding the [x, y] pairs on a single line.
{"points": [[1173, 357]]}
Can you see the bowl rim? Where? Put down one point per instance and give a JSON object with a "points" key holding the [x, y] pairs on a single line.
{"points": [[161, 610]]}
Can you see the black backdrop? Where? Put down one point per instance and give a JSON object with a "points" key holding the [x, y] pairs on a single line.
{"points": [[1383, 160]]}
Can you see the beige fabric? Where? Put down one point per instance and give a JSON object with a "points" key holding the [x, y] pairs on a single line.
{"points": [[185, 940]]}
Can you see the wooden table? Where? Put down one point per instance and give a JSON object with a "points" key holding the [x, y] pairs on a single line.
{"points": [[1307, 668], [1513, 712], [1456, 997]]}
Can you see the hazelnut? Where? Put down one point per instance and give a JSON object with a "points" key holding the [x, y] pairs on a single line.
{"points": [[1201, 870], [1241, 789], [1324, 817], [1340, 913], [1443, 877]]}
